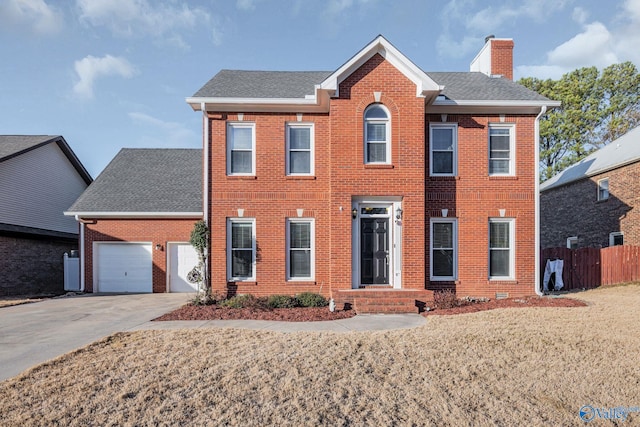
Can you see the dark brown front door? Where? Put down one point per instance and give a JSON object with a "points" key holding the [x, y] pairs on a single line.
{"points": [[374, 251]]}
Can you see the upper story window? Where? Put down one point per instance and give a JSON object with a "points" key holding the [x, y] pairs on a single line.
{"points": [[300, 156], [616, 238], [241, 149], [603, 189], [377, 135], [443, 156], [501, 149]]}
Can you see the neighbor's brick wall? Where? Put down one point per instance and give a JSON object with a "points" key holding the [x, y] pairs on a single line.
{"points": [[32, 266], [155, 231], [573, 210], [473, 197]]}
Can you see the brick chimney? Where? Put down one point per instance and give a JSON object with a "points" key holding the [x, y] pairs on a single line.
{"points": [[495, 58]]}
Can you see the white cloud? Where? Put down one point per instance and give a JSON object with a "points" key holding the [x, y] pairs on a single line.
{"points": [[140, 17], [580, 15], [593, 46], [169, 134], [335, 7], [35, 15], [91, 68], [247, 5]]}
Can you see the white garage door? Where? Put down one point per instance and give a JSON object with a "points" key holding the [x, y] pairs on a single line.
{"points": [[124, 267], [182, 258]]}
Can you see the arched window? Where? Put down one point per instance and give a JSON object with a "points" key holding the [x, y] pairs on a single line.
{"points": [[377, 134]]}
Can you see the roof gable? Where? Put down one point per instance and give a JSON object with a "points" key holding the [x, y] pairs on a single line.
{"points": [[622, 151], [381, 46], [16, 145]]}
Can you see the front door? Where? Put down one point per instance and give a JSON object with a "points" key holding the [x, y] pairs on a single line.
{"points": [[374, 251]]}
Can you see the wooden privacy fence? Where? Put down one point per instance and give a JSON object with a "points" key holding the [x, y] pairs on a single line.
{"points": [[593, 267]]}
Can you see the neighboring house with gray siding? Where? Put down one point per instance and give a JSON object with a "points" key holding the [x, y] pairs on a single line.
{"points": [[593, 202], [40, 177]]}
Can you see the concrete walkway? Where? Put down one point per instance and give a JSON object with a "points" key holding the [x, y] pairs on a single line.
{"points": [[33, 333]]}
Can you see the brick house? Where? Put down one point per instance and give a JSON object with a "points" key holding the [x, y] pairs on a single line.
{"points": [[39, 177], [374, 180], [136, 219], [592, 203]]}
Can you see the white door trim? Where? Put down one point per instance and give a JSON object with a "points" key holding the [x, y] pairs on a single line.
{"points": [[395, 237]]}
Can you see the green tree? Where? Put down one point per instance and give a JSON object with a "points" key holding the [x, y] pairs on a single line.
{"points": [[596, 109]]}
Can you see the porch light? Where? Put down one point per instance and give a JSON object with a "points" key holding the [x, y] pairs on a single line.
{"points": [[354, 213], [399, 213], [158, 247]]}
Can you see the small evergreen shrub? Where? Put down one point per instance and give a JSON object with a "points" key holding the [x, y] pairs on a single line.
{"points": [[310, 299], [281, 301], [239, 301]]}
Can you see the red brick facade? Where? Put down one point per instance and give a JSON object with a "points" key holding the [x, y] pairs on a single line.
{"points": [[502, 58], [573, 210], [148, 230], [342, 179]]}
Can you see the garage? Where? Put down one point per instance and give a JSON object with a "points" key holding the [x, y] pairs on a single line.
{"points": [[123, 267], [182, 258]]}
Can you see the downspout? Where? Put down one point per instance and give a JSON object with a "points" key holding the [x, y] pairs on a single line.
{"points": [[81, 253], [205, 160], [537, 201]]}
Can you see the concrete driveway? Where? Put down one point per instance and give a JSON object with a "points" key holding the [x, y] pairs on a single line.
{"points": [[34, 333]]}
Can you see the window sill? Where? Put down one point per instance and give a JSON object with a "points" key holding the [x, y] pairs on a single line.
{"points": [[503, 177], [302, 177], [242, 177], [501, 281], [376, 166], [444, 177], [242, 282], [300, 282]]}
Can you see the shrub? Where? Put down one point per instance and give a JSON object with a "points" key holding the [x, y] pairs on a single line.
{"points": [[445, 299], [281, 301], [239, 301], [310, 299]]}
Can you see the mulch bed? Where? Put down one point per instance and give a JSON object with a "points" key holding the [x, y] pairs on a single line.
{"points": [[307, 314]]}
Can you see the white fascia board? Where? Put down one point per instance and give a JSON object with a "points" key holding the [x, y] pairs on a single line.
{"points": [[311, 103], [489, 107], [382, 46], [135, 214], [496, 103]]}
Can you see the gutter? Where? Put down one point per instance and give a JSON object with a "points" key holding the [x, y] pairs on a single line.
{"points": [[543, 110]]}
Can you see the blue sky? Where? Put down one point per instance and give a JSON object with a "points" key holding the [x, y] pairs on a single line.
{"points": [[108, 74]]}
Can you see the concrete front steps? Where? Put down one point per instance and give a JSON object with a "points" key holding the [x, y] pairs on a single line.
{"points": [[379, 300]]}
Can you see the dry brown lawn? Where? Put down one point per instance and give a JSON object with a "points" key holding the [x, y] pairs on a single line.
{"points": [[528, 366]]}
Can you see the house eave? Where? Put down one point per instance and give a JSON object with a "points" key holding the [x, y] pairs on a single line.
{"points": [[310, 104], [489, 106], [590, 174], [132, 215]]}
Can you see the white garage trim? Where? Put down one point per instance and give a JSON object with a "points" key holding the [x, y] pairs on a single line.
{"points": [[181, 258], [123, 267]]}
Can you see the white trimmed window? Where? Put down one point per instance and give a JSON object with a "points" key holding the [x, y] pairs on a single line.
{"points": [[603, 189], [377, 135], [241, 149], [572, 242], [444, 249], [300, 249], [501, 149], [616, 239], [241, 249], [300, 150], [443, 149], [501, 248]]}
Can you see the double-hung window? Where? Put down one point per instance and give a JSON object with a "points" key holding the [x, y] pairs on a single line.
{"points": [[241, 249], [444, 242], [603, 189], [501, 149], [300, 249], [377, 135], [443, 156], [501, 248], [241, 149], [300, 156]]}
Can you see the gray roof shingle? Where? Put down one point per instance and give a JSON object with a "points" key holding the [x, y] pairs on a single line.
{"points": [[467, 86], [262, 84], [623, 150], [146, 180]]}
